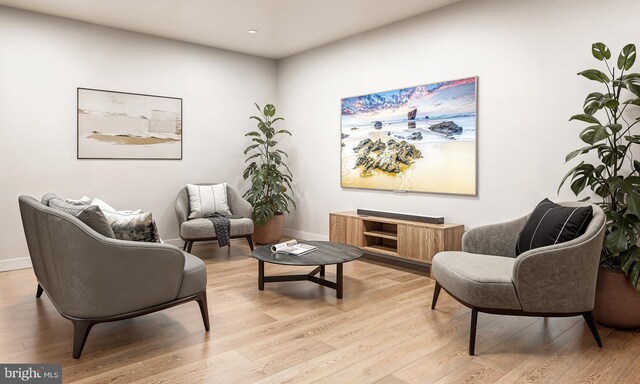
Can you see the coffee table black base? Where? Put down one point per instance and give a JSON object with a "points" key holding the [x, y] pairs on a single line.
{"points": [[311, 276]]}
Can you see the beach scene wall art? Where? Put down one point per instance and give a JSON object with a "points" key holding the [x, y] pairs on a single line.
{"points": [[121, 125], [418, 139]]}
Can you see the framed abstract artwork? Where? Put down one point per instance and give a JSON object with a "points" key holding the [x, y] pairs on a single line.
{"points": [[122, 125], [416, 139]]}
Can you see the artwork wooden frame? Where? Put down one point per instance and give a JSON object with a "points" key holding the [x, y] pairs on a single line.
{"points": [[128, 126], [414, 139]]}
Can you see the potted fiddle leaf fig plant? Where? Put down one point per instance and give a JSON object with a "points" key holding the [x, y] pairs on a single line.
{"points": [[270, 191], [608, 169]]}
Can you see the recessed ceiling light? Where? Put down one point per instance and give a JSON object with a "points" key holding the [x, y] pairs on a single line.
{"points": [[252, 31]]}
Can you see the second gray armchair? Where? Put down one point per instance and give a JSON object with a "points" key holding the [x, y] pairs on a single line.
{"points": [[201, 229], [551, 281]]}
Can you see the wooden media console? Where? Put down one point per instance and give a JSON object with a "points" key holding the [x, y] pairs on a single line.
{"points": [[412, 242]]}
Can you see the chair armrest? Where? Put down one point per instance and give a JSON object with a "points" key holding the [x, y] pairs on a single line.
{"points": [[182, 207], [96, 276], [495, 239], [560, 278], [238, 205]]}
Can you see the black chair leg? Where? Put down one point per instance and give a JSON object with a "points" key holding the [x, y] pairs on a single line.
{"points": [[588, 317], [472, 331], [39, 291], [189, 245], [204, 309], [80, 332], [436, 293], [250, 241], [184, 246]]}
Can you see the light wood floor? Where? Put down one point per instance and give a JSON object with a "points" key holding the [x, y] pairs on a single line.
{"points": [[383, 331]]}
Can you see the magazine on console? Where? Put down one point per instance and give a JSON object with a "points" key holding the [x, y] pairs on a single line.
{"points": [[292, 247]]}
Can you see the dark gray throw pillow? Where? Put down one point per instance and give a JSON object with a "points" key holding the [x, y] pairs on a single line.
{"points": [[91, 215], [551, 223]]}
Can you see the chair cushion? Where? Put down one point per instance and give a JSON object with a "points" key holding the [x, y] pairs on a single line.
{"points": [[194, 277], [203, 228], [482, 281], [550, 223]]}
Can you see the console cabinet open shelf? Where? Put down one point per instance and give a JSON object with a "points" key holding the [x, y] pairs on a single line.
{"points": [[411, 241]]}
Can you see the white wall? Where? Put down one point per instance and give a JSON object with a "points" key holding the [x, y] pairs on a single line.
{"points": [[526, 55], [42, 61]]}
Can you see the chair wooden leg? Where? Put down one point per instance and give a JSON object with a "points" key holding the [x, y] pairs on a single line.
{"points": [[204, 309], [184, 246], [472, 331], [39, 291], [189, 245], [250, 241], [436, 293], [588, 317], [80, 332]]}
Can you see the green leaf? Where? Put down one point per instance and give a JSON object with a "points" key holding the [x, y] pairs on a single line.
{"points": [[253, 156], [609, 102], [596, 75], [252, 146], [617, 239], [635, 89], [627, 57], [585, 118], [579, 184], [282, 152], [594, 133], [591, 108], [253, 134], [600, 51], [580, 151], [615, 128], [594, 96], [285, 131], [269, 110], [630, 192]]}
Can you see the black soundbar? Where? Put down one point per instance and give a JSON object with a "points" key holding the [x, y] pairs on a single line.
{"points": [[402, 216]]}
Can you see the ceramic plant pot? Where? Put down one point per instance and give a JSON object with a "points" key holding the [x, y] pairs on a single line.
{"points": [[271, 232], [617, 302]]}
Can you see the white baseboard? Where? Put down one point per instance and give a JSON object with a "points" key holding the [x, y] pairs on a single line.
{"points": [[305, 235], [13, 264]]}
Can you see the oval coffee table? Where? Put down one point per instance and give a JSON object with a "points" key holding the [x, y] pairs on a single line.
{"points": [[327, 253]]}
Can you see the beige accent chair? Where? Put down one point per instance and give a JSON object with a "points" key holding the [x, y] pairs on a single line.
{"points": [[201, 229], [553, 281], [92, 279]]}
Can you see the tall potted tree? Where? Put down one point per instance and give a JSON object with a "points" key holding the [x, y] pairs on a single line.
{"points": [[270, 177], [611, 173]]}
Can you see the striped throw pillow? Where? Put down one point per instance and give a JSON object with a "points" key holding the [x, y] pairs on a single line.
{"points": [[551, 223], [205, 200]]}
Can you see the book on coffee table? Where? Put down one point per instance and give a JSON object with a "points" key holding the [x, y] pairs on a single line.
{"points": [[292, 247]]}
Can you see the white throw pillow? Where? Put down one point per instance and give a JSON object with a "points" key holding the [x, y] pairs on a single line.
{"points": [[104, 206], [205, 200]]}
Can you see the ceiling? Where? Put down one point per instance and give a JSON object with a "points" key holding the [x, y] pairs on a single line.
{"points": [[285, 27]]}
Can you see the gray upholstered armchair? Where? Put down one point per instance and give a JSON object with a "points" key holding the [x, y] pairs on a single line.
{"points": [[92, 279], [201, 229], [552, 281]]}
